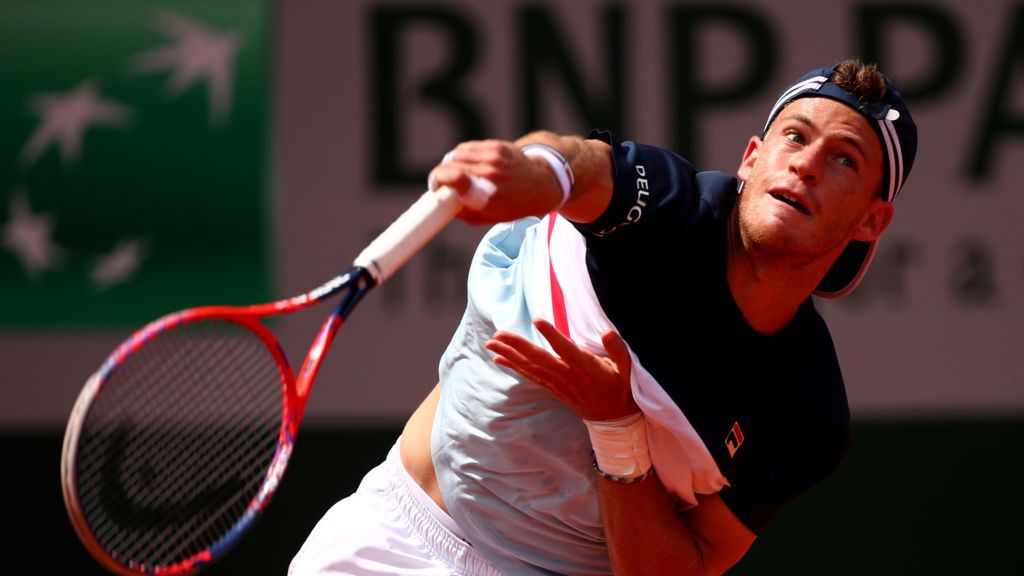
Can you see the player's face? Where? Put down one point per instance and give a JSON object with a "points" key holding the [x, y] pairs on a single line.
{"points": [[813, 183]]}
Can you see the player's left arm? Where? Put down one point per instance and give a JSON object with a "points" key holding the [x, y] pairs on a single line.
{"points": [[645, 527], [647, 533]]}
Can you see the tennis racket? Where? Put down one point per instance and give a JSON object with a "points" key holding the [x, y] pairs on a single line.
{"points": [[177, 443]]}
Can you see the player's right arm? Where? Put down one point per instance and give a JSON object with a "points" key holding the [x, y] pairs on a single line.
{"points": [[527, 185]]}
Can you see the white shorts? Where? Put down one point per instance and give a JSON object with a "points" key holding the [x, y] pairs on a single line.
{"points": [[388, 526]]}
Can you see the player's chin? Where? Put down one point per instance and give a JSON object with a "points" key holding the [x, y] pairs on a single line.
{"points": [[778, 235], [771, 227]]}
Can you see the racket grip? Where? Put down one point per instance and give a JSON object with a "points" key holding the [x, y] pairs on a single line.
{"points": [[406, 235]]}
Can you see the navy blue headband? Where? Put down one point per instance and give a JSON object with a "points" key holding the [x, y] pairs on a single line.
{"points": [[890, 118]]}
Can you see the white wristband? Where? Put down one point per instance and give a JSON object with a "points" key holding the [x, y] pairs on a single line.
{"points": [[559, 165], [620, 446]]}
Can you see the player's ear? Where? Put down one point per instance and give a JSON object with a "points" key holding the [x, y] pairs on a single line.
{"points": [[749, 158], [875, 221]]}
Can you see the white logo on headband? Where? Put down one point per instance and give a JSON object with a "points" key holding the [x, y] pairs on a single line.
{"points": [[892, 115]]}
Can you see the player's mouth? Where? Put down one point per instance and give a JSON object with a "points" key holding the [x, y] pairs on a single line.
{"points": [[791, 201]]}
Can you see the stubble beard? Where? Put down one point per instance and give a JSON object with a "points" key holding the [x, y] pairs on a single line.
{"points": [[766, 239]]}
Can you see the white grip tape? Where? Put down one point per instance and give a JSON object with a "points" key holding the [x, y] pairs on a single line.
{"points": [[620, 446], [406, 235]]}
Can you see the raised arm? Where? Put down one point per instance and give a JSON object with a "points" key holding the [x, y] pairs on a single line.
{"points": [[526, 185]]}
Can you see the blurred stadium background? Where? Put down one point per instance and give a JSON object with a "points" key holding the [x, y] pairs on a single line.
{"points": [[157, 155]]}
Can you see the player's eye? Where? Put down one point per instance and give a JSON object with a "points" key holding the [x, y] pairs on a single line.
{"points": [[847, 161], [793, 136]]}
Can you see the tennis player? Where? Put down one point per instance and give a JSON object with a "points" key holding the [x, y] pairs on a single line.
{"points": [[640, 381]]}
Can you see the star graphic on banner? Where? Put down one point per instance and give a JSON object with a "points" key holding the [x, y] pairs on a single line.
{"points": [[197, 53], [65, 117], [119, 265], [29, 236]]}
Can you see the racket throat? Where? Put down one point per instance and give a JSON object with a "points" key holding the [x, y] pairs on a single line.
{"points": [[361, 282]]}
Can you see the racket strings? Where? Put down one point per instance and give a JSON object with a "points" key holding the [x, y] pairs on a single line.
{"points": [[188, 440], [161, 430], [179, 441]]}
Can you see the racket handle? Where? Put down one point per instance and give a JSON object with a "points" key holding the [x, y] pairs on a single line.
{"points": [[406, 235]]}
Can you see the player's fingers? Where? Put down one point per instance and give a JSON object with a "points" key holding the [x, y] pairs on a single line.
{"points": [[509, 353], [454, 175], [542, 379], [460, 170], [514, 340], [526, 350], [541, 368], [617, 351], [562, 346], [522, 370], [492, 152], [474, 191]]}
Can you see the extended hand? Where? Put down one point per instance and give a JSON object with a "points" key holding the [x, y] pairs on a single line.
{"points": [[596, 388], [522, 186]]}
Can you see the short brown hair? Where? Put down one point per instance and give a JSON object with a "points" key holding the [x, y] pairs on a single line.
{"points": [[862, 80]]}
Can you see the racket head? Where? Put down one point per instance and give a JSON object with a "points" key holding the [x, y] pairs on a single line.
{"points": [[178, 442]]}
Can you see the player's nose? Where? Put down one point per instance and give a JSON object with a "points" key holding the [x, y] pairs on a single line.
{"points": [[807, 163]]}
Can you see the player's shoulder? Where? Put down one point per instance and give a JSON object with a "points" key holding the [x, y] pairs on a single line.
{"points": [[717, 191]]}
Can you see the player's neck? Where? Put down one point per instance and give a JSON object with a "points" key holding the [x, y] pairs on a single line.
{"points": [[767, 292]]}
